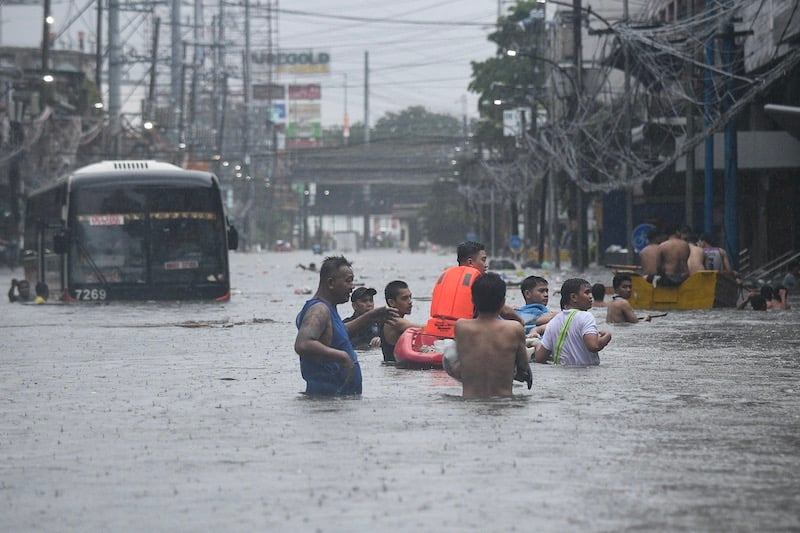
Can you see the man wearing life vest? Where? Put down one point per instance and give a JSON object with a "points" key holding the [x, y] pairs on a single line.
{"points": [[452, 293]]}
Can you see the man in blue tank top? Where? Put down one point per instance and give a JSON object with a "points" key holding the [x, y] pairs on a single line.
{"points": [[328, 362]]}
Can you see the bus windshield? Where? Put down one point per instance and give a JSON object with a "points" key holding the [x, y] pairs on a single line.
{"points": [[147, 235]]}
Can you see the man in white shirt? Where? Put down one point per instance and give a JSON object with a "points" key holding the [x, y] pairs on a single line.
{"points": [[572, 337]]}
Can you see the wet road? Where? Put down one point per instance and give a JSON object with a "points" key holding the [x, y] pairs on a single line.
{"points": [[122, 417]]}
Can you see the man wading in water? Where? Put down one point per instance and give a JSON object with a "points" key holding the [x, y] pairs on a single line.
{"points": [[328, 362]]}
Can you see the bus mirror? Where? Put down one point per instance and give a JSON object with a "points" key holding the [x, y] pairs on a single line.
{"points": [[233, 238], [61, 243]]}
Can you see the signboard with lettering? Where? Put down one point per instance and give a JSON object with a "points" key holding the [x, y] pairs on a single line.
{"points": [[311, 91], [305, 111], [263, 91], [296, 62], [304, 130]]}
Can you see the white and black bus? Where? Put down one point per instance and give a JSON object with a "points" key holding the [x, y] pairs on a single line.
{"points": [[130, 230]]}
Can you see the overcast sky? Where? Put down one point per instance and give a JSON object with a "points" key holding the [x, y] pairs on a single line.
{"points": [[419, 50]]}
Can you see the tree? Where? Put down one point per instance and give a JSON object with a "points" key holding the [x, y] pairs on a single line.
{"points": [[416, 124]]}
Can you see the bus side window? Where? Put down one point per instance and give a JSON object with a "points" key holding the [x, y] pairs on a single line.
{"points": [[61, 243]]}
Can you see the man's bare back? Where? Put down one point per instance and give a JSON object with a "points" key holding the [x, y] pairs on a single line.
{"points": [[490, 352], [650, 257], [674, 253], [620, 310], [697, 258]]}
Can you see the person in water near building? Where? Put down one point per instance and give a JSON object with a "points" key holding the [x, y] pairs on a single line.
{"points": [[715, 258], [619, 308], [398, 297], [491, 351], [572, 337], [328, 362], [452, 297], [20, 291], [674, 259], [650, 255], [368, 336], [598, 295]]}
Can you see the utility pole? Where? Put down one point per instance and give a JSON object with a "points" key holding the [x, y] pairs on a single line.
{"points": [[626, 118], [98, 50], [151, 92], [708, 97], [114, 75], [176, 70], [690, 161], [731, 219], [366, 97], [580, 208], [197, 59]]}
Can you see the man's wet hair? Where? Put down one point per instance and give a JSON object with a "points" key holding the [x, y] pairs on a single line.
{"points": [[599, 292], [530, 283], [488, 293], [42, 290], [393, 288], [619, 278], [758, 303], [570, 287], [331, 265], [468, 249], [767, 292], [710, 240]]}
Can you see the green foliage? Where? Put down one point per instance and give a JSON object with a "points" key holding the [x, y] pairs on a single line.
{"points": [[510, 79], [415, 124], [445, 217]]}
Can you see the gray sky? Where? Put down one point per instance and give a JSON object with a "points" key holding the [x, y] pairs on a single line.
{"points": [[419, 50]]}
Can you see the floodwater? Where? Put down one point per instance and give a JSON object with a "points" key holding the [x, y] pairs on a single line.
{"points": [[124, 418]]}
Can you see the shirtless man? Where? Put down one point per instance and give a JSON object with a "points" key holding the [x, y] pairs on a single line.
{"points": [[491, 351], [619, 308], [697, 256], [674, 258], [398, 296], [328, 363], [649, 256]]}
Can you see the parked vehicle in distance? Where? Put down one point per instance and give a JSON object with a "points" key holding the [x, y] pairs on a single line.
{"points": [[283, 246]]}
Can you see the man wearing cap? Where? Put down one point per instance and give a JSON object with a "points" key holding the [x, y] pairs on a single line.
{"points": [[368, 336]]}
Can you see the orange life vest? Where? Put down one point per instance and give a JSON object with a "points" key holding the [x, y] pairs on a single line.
{"points": [[452, 299]]}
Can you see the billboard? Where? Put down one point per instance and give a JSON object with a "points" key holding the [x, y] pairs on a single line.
{"points": [[296, 62], [263, 91], [309, 91]]}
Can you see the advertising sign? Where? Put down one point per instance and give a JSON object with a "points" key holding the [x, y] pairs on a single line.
{"points": [[305, 111], [639, 236], [278, 112], [304, 130], [296, 62], [263, 91], [310, 91]]}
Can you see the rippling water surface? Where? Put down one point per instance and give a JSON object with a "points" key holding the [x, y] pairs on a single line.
{"points": [[123, 417]]}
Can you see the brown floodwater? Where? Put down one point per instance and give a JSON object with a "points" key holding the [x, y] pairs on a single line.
{"points": [[122, 417]]}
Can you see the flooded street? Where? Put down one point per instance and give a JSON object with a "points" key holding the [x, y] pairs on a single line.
{"points": [[190, 417]]}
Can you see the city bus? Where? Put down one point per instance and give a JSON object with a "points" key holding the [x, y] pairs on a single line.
{"points": [[130, 230]]}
